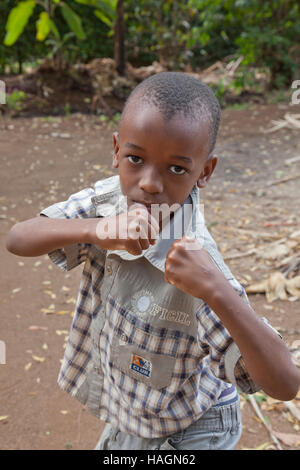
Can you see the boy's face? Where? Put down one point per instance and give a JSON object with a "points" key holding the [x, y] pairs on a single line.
{"points": [[160, 161]]}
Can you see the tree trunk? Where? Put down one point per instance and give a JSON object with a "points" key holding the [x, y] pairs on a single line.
{"points": [[119, 46]]}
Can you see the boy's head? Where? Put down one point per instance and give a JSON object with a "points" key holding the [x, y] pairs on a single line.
{"points": [[166, 137]]}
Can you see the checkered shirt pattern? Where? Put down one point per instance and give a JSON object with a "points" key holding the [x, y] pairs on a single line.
{"points": [[92, 372]]}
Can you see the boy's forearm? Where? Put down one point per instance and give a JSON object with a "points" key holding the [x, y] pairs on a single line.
{"points": [[267, 359], [41, 235]]}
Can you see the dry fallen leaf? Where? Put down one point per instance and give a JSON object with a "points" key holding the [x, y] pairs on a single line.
{"points": [[294, 410], [35, 327], [62, 312], [47, 311], [260, 447], [278, 250], [17, 289], [291, 440], [38, 359], [49, 292], [290, 120], [293, 286], [276, 286], [2, 418], [61, 332], [295, 352], [289, 417], [27, 367]]}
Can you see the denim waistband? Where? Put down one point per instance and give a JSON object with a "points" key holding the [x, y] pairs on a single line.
{"points": [[219, 418]]}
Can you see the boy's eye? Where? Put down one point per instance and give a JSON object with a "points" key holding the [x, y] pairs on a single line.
{"points": [[133, 159], [178, 170]]}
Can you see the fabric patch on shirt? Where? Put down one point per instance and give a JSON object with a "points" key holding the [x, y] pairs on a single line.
{"points": [[140, 365]]}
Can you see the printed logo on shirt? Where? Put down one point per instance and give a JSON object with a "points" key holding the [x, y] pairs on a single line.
{"points": [[143, 305], [140, 365]]}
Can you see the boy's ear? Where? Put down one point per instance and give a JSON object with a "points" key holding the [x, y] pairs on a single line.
{"points": [[207, 171], [115, 163]]}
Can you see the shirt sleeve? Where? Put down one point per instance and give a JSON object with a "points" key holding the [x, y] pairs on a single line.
{"points": [[224, 357], [78, 205]]}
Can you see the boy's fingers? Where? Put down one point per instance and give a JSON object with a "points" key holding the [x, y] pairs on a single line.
{"points": [[154, 227], [149, 231], [149, 222], [142, 236], [138, 209], [134, 247]]}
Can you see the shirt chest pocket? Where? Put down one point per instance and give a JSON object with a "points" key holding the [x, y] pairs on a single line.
{"points": [[153, 369]]}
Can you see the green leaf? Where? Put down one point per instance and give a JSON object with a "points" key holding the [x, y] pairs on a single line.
{"points": [[103, 18], [73, 20], [106, 6], [17, 20], [54, 29], [43, 26]]}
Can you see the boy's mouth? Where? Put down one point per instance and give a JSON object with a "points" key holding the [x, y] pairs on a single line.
{"points": [[147, 204], [154, 209]]}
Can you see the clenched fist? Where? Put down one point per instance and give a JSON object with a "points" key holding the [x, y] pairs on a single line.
{"points": [[190, 268], [133, 231]]}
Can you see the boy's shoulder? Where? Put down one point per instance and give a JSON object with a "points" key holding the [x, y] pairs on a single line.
{"points": [[107, 185], [108, 198]]}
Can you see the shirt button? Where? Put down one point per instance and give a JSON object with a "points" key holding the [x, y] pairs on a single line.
{"points": [[109, 269]]}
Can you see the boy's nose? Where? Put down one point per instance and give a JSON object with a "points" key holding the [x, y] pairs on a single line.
{"points": [[151, 182]]}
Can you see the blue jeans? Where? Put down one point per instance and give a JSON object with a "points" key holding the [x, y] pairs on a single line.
{"points": [[220, 428]]}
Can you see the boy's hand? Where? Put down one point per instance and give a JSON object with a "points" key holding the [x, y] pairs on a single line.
{"points": [[132, 231], [192, 270]]}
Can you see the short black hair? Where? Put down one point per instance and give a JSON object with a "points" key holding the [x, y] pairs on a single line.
{"points": [[178, 92]]}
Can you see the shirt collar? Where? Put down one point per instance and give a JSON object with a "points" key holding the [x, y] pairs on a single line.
{"points": [[188, 219]]}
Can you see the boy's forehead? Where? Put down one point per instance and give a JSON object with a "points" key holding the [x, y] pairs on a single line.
{"points": [[144, 118]]}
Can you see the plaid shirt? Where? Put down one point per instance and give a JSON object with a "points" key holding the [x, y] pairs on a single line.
{"points": [[143, 355]]}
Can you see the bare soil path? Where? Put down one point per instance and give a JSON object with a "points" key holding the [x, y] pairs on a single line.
{"points": [[44, 160]]}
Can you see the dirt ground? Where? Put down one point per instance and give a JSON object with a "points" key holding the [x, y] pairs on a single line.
{"points": [[44, 160]]}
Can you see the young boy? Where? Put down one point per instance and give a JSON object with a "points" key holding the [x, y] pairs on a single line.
{"points": [[163, 333]]}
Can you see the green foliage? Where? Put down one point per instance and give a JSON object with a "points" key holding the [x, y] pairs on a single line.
{"points": [[49, 20], [43, 26], [262, 32], [158, 30], [14, 100], [67, 109], [27, 49], [73, 21], [20, 14], [194, 33], [17, 20]]}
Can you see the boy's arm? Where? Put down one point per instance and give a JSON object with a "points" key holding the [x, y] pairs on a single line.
{"points": [[41, 235], [61, 230], [267, 359]]}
